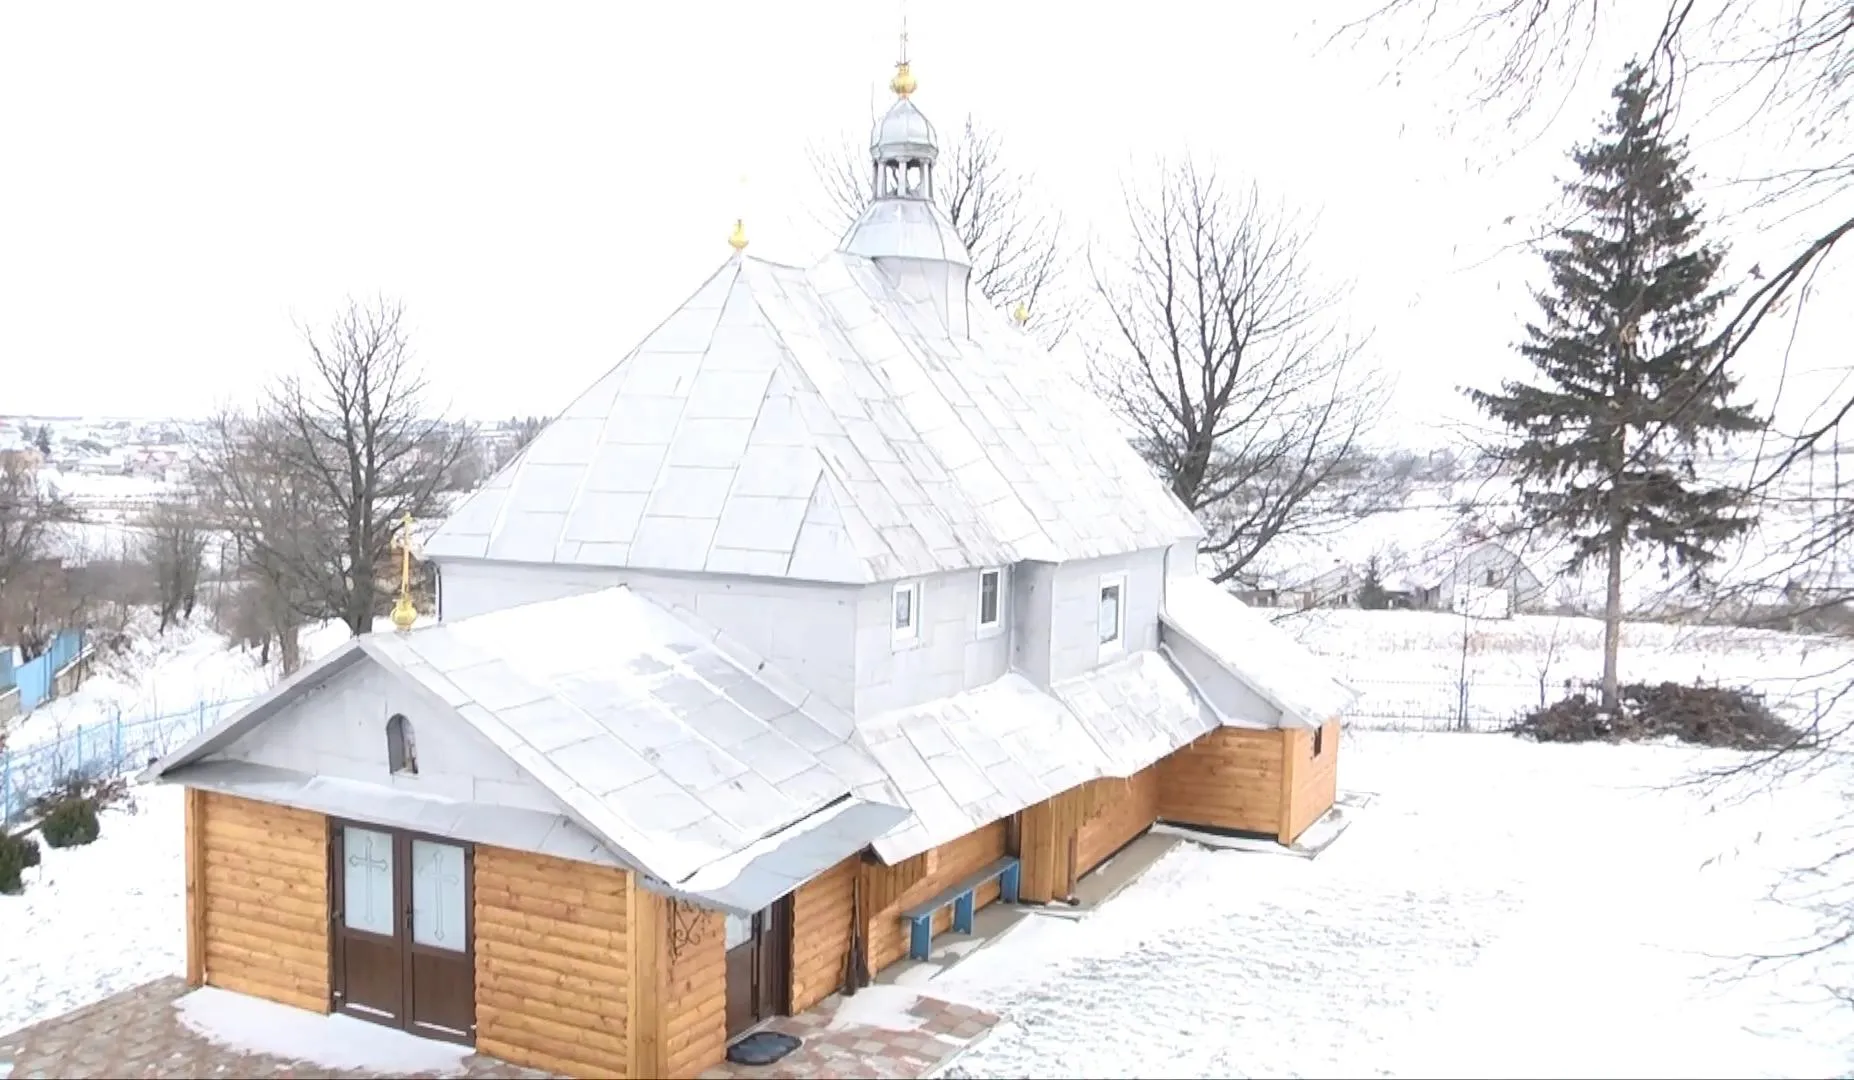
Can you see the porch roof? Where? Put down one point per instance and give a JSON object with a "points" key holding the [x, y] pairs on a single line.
{"points": [[964, 761]]}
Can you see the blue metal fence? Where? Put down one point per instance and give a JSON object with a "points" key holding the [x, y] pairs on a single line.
{"points": [[37, 679], [106, 748]]}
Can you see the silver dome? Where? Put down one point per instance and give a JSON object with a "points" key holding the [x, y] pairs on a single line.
{"points": [[904, 134]]}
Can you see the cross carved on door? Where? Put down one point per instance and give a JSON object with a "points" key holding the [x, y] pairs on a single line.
{"points": [[435, 863]]}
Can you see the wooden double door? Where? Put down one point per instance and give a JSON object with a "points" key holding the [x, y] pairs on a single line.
{"points": [[759, 967], [402, 930]]}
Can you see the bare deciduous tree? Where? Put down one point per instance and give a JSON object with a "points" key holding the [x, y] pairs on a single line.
{"points": [[1016, 249], [359, 438], [174, 540], [1232, 369], [34, 598], [279, 535]]}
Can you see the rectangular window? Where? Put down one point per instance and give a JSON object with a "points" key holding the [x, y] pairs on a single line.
{"points": [[907, 613], [991, 588], [1112, 618], [1319, 740]]}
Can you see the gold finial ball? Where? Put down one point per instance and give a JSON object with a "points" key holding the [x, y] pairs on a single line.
{"points": [[404, 614], [1021, 313], [738, 239], [904, 82]]}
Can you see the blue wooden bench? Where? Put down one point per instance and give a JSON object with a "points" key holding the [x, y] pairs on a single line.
{"points": [[962, 896]]}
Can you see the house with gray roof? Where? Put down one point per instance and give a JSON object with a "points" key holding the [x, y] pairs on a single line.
{"points": [[832, 612]]}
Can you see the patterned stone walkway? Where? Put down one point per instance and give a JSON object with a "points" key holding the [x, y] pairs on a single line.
{"points": [[867, 1053], [137, 1033]]}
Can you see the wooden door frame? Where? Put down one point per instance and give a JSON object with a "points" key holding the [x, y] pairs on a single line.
{"points": [[777, 956], [402, 890]]}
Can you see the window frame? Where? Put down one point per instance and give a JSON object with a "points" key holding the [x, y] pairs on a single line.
{"points": [[997, 614], [910, 634], [1118, 642], [401, 746]]}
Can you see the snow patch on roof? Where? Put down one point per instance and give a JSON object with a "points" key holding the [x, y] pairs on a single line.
{"points": [[1255, 650]]}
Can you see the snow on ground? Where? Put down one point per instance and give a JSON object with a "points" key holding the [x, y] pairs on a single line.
{"points": [[188, 674], [249, 1025], [1411, 664], [1501, 908], [99, 919]]}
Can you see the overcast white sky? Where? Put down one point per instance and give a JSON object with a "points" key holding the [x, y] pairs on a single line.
{"points": [[542, 183]]}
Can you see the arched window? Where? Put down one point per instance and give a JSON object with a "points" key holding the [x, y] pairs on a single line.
{"points": [[401, 748]]}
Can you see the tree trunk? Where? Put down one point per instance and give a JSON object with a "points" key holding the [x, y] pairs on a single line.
{"points": [[1612, 624], [291, 649]]}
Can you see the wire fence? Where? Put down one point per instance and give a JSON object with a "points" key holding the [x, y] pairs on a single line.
{"points": [[1482, 705], [106, 748]]}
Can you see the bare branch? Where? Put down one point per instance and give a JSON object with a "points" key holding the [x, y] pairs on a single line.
{"points": [[1231, 367]]}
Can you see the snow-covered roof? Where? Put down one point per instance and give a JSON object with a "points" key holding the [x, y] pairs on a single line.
{"points": [[817, 424], [1285, 672], [672, 753], [964, 761]]}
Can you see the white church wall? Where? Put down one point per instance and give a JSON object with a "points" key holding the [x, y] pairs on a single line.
{"points": [[806, 630]]}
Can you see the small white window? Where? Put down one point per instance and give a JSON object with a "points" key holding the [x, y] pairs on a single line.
{"points": [[907, 611], [991, 598], [1112, 620]]}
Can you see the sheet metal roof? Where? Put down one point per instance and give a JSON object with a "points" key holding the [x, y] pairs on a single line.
{"points": [[964, 761], [1252, 648], [672, 753], [816, 424]]}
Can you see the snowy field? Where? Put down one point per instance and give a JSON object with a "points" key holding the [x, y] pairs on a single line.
{"points": [[1501, 908], [1414, 668]]}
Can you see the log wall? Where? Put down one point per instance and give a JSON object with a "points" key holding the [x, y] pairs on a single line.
{"points": [[694, 1010], [553, 979], [822, 909], [931, 872], [822, 914], [258, 899], [1231, 778]]}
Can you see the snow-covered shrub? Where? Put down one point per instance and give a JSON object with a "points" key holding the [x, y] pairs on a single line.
{"points": [[17, 853], [1706, 715], [70, 823]]}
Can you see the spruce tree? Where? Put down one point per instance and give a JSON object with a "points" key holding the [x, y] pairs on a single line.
{"points": [[1372, 596], [1628, 390]]}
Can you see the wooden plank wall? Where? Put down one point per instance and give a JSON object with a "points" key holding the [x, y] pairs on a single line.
{"points": [[1045, 832], [1119, 811], [1313, 782], [822, 911], [694, 1010], [1231, 778], [552, 967], [261, 900]]}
